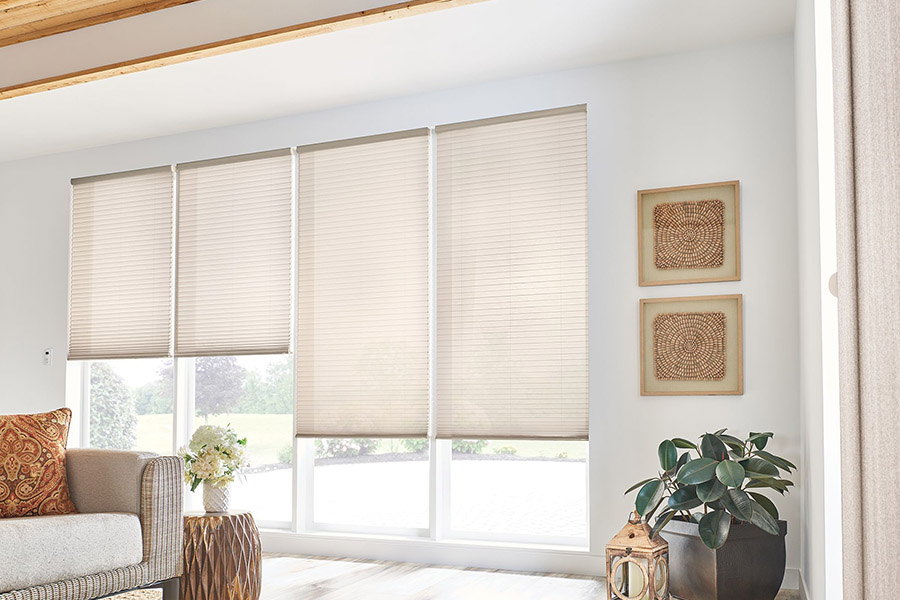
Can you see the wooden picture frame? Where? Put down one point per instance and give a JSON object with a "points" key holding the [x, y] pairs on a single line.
{"points": [[692, 346], [689, 234]]}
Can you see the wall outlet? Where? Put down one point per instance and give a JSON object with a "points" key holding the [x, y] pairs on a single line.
{"points": [[48, 357]]}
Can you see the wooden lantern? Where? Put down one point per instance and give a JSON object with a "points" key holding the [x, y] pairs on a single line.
{"points": [[637, 566]]}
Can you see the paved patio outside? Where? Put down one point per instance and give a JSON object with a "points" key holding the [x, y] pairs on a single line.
{"points": [[492, 496]]}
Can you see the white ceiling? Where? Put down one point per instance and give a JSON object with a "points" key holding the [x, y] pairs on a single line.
{"points": [[497, 39], [185, 26]]}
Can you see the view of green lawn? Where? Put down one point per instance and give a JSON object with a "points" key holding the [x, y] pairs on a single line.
{"points": [[268, 436], [541, 448]]}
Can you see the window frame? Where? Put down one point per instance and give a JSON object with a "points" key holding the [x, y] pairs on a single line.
{"points": [[303, 460]]}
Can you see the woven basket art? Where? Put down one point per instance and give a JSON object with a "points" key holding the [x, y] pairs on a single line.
{"points": [[689, 235], [689, 346]]}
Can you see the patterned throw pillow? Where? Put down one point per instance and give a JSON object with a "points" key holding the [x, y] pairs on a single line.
{"points": [[33, 464]]}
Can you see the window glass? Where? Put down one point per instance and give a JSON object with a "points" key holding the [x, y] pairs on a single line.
{"points": [[254, 395], [528, 488], [131, 403], [371, 482]]}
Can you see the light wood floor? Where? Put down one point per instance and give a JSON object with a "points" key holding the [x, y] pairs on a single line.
{"points": [[320, 578]]}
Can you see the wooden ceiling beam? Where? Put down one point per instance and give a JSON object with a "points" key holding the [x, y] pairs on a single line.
{"points": [[26, 20], [255, 40], [28, 11], [7, 5]]}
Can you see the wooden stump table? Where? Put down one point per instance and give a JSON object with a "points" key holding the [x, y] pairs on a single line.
{"points": [[222, 557]]}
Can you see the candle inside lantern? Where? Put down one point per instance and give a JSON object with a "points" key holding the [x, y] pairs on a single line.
{"points": [[631, 581]]}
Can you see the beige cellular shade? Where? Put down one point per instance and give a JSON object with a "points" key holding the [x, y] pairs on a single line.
{"points": [[362, 313], [512, 329], [233, 269], [120, 301]]}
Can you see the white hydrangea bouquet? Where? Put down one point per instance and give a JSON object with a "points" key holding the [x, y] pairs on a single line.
{"points": [[214, 457]]}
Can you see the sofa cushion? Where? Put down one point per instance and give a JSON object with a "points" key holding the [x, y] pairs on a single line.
{"points": [[39, 550], [106, 480], [33, 464]]}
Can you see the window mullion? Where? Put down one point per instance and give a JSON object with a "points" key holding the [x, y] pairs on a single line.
{"points": [[305, 451], [437, 468], [85, 404], [183, 411], [301, 466]]}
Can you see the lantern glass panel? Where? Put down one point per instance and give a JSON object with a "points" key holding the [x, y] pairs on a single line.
{"points": [[630, 578], [661, 576]]}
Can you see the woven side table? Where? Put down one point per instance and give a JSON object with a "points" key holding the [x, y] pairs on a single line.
{"points": [[222, 557]]}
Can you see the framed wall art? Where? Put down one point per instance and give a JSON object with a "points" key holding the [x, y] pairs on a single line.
{"points": [[692, 346], [689, 234]]}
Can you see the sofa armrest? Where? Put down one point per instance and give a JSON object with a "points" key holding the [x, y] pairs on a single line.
{"points": [[106, 480], [141, 483], [162, 516]]}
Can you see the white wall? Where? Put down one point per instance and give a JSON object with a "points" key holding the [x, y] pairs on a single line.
{"points": [[714, 115]]}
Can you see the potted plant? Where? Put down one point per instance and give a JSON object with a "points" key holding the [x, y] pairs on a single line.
{"points": [[725, 537], [214, 457]]}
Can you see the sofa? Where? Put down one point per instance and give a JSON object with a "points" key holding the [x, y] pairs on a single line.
{"points": [[126, 535]]}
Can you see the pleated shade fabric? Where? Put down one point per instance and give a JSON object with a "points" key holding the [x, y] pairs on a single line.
{"points": [[362, 342], [512, 331], [121, 266], [233, 274]]}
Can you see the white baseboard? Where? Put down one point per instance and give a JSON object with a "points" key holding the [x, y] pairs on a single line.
{"points": [[804, 593]]}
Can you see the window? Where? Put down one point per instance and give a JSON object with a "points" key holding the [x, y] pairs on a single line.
{"points": [[131, 404], [397, 324], [131, 407], [254, 395], [519, 488], [372, 483]]}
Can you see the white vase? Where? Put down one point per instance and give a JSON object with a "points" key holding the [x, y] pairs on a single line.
{"points": [[215, 500]]}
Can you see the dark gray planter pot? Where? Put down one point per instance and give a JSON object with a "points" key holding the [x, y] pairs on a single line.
{"points": [[750, 566]]}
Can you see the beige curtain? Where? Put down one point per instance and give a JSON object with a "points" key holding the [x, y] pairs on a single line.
{"points": [[867, 128]]}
